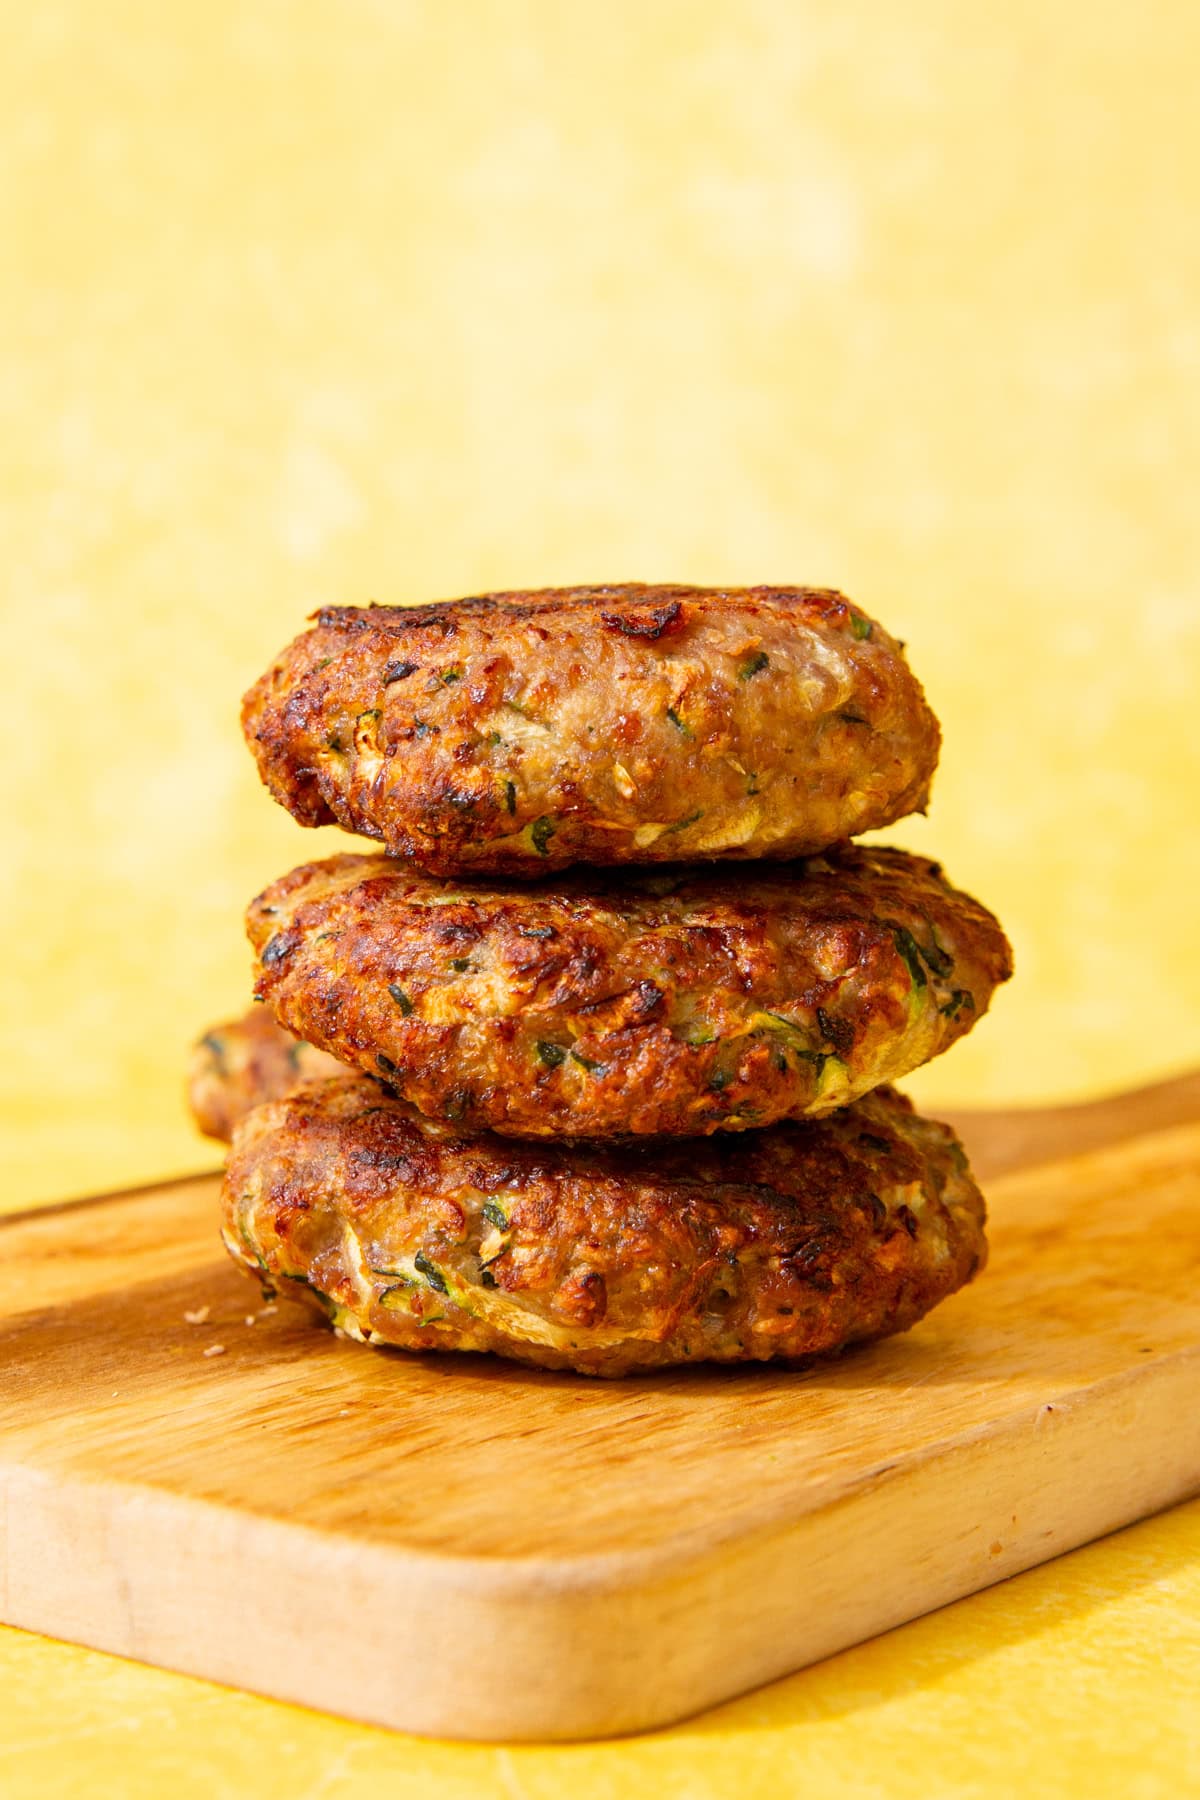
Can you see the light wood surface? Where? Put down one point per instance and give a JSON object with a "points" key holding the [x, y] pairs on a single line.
{"points": [[468, 1549], [1001, 1141]]}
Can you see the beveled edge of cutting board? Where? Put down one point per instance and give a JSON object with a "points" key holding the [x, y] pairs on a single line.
{"points": [[597, 1646], [51, 1208]]}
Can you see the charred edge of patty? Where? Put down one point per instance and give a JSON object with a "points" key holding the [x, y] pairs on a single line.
{"points": [[629, 607]]}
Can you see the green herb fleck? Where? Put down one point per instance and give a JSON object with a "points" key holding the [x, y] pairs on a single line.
{"points": [[682, 824], [772, 1021], [401, 998], [431, 1272], [398, 671], [249, 1242], [939, 960], [510, 796], [586, 1062], [385, 1065], [494, 738], [493, 1212], [540, 833], [910, 950], [680, 724], [720, 1080], [754, 665], [323, 664], [460, 964], [551, 1054], [451, 675], [329, 1305], [860, 627], [698, 1035], [333, 742], [959, 999], [794, 1037], [399, 1276], [216, 1047]]}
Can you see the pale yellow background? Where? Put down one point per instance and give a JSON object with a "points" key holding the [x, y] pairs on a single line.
{"points": [[395, 299]]}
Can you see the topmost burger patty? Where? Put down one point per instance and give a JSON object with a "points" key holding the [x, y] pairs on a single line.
{"points": [[517, 733]]}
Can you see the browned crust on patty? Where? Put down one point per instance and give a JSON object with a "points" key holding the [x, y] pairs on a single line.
{"points": [[517, 733], [775, 1244], [629, 1002], [237, 1065]]}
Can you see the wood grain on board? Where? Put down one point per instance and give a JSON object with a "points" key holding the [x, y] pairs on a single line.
{"points": [[466, 1548]]}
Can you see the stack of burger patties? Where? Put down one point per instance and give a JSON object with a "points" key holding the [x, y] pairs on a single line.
{"points": [[588, 1068]]}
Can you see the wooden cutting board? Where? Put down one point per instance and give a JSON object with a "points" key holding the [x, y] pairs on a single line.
{"points": [[460, 1547]]}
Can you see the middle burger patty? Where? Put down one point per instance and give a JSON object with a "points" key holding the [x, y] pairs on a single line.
{"points": [[672, 1002]]}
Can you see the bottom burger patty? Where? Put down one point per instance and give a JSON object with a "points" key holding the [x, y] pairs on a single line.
{"points": [[781, 1243]]}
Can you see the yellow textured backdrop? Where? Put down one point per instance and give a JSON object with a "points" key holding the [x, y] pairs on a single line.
{"points": [[341, 301], [310, 301]]}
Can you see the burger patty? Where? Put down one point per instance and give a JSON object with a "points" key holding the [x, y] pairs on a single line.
{"points": [[629, 1003], [516, 733], [780, 1243], [240, 1064]]}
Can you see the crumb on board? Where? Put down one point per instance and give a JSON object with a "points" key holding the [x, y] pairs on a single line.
{"points": [[215, 1350], [198, 1317]]}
